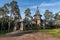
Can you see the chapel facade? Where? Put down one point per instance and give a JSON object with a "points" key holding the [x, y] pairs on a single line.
{"points": [[37, 18], [36, 22]]}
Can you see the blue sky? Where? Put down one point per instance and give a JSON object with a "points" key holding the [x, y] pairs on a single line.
{"points": [[52, 5]]}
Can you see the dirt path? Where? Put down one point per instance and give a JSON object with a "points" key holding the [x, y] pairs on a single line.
{"points": [[30, 36]]}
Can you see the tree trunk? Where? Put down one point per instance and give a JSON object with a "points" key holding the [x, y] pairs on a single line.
{"points": [[8, 26], [2, 26], [15, 27], [21, 26]]}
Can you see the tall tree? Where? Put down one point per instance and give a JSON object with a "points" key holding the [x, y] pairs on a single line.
{"points": [[57, 16], [48, 15], [57, 19], [8, 10], [27, 12], [15, 11], [49, 18], [27, 16], [1, 15], [5, 10]]}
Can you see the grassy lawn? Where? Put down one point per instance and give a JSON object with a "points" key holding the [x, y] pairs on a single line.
{"points": [[4, 32], [54, 32]]}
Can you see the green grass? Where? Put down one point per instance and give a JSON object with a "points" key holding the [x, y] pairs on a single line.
{"points": [[4, 32], [54, 32]]}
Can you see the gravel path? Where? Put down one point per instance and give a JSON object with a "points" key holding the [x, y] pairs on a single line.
{"points": [[30, 36]]}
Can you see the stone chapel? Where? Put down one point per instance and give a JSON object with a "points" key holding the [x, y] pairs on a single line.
{"points": [[37, 18]]}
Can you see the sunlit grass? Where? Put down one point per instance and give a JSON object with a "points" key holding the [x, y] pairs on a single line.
{"points": [[54, 32]]}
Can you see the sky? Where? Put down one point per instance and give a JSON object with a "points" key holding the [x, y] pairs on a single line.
{"points": [[51, 5]]}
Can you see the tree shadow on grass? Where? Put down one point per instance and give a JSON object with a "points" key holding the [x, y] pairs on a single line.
{"points": [[18, 34]]}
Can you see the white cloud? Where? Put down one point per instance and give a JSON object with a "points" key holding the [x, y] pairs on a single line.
{"points": [[33, 7], [50, 4], [42, 9], [47, 4]]}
